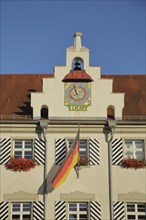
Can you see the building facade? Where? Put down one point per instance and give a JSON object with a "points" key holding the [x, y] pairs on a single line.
{"points": [[41, 115]]}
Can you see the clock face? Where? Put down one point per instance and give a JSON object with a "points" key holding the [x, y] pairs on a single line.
{"points": [[77, 94]]}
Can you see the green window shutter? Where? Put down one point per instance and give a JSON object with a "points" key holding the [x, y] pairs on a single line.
{"points": [[95, 210], [39, 151], [117, 151], [60, 150], [94, 152], [5, 150], [60, 210], [38, 210], [4, 208], [119, 210]]}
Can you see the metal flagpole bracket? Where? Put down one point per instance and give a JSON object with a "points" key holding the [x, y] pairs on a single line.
{"points": [[77, 170]]}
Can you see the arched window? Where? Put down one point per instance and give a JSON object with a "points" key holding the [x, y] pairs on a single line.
{"points": [[78, 64], [44, 112], [111, 112]]}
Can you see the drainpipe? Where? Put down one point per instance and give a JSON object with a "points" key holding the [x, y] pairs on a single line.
{"points": [[44, 126], [110, 179], [111, 125]]}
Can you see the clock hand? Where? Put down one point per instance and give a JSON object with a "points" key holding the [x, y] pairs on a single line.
{"points": [[75, 90]]}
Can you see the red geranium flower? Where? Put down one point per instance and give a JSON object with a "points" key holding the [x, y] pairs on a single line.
{"points": [[20, 164], [133, 163]]}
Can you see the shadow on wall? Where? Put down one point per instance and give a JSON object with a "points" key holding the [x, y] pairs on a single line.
{"points": [[25, 108]]}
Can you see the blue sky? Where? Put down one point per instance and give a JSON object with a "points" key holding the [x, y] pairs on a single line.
{"points": [[35, 34]]}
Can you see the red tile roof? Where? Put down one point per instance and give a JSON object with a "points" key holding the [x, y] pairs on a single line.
{"points": [[79, 75], [134, 87], [15, 92]]}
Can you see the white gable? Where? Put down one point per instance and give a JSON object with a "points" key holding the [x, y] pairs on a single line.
{"points": [[53, 93]]}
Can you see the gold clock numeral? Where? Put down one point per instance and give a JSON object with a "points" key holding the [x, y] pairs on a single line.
{"points": [[77, 108]]}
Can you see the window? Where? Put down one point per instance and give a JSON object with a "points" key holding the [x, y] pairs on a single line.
{"points": [[23, 148], [21, 211], [134, 149], [135, 211], [83, 146], [78, 211]]}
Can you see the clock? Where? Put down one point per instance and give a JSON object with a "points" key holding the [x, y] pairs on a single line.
{"points": [[77, 96]]}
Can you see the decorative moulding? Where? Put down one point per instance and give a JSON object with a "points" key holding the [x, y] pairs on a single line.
{"points": [[132, 197], [77, 196], [20, 196]]}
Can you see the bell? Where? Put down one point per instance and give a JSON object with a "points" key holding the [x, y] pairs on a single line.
{"points": [[77, 66]]}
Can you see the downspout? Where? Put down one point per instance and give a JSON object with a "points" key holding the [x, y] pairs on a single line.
{"points": [[110, 179], [110, 126], [44, 126]]}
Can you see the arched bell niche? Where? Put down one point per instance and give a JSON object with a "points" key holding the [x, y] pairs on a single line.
{"points": [[78, 64]]}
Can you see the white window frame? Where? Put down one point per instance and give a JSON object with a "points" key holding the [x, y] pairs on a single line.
{"points": [[78, 212], [23, 149], [21, 212], [133, 150], [80, 149], [135, 213]]}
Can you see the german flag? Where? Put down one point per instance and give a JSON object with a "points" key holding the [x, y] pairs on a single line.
{"points": [[59, 173]]}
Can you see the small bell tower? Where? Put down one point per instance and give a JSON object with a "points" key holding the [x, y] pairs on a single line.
{"points": [[77, 55]]}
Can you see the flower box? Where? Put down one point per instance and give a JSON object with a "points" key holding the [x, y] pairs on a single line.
{"points": [[133, 163], [20, 164]]}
